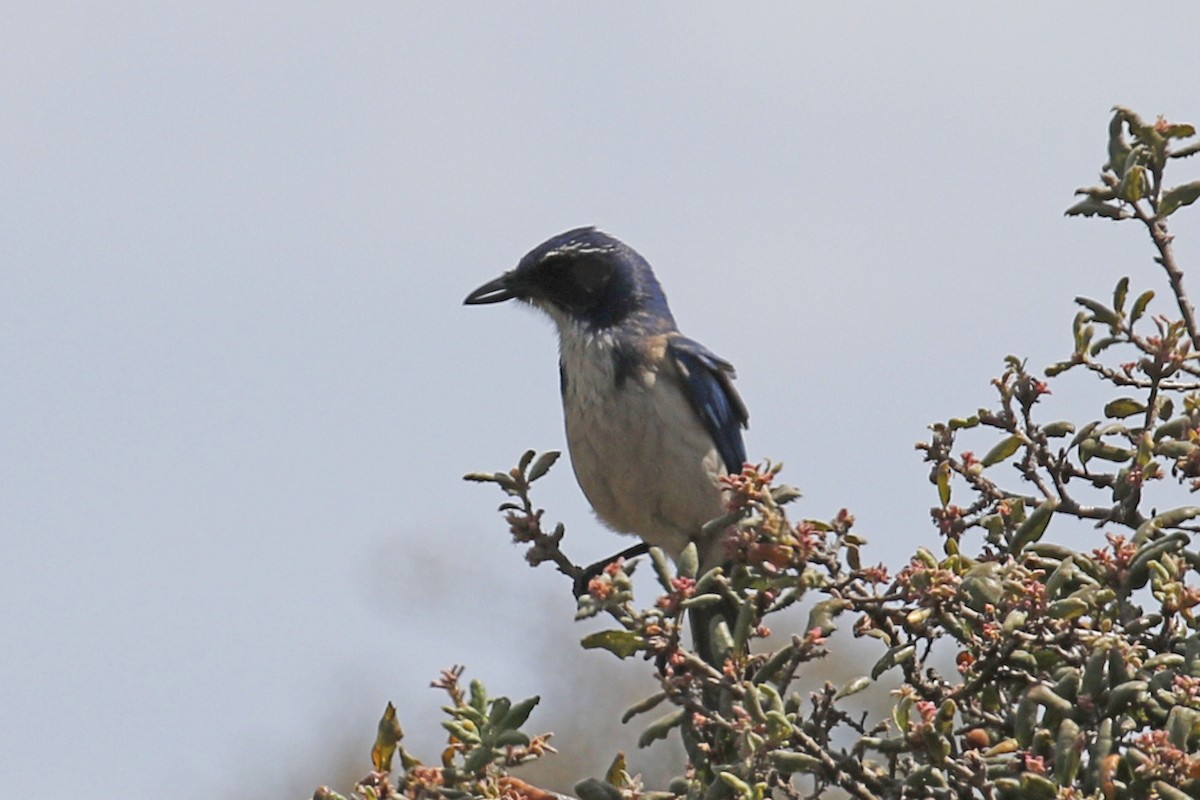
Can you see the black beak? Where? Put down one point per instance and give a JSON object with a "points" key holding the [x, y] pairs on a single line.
{"points": [[496, 291]]}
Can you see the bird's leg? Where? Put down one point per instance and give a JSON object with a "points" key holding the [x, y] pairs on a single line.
{"points": [[585, 577]]}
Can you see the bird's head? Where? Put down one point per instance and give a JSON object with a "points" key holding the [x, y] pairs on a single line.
{"points": [[587, 278]]}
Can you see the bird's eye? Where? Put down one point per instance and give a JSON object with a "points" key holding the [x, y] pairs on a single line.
{"points": [[590, 275]]}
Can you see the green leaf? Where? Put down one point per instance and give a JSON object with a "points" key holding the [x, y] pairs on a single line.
{"points": [[387, 737], [1134, 184], [1045, 696], [479, 696], [1014, 620], [1118, 146], [853, 687], [739, 786], [689, 561], [1016, 510], [784, 494], [1084, 337], [1143, 132], [1091, 207], [1100, 312], [617, 773], [1123, 407], [503, 478], [981, 586], [1176, 429], [894, 656], [821, 616], [1139, 567], [926, 557], [1139, 306], [1002, 451], [517, 715], [1125, 694], [543, 464], [476, 760], [1136, 157], [1068, 608], [1055, 430], [707, 600], [1026, 719], [1063, 575], [789, 762], [1082, 331], [622, 644], [1037, 787], [662, 570], [642, 706], [1098, 192], [1172, 448], [1094, 448], [661, 727], [1120, 293], [943, 482], [1167, 791], [462, 732], [1184, 152], [900, 712], [499, 710], [1102, 745], [1178, 130], [1178, 196], [1181, 721], [1034, 525]]}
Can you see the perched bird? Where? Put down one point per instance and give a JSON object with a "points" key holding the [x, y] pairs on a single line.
{"points": [[652, 416]]}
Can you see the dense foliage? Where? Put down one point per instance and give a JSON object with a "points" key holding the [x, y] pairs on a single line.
{"points": [[1075, 673]]}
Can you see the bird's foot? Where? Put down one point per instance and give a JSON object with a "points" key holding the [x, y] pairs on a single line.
{"points": [[585, 577]]}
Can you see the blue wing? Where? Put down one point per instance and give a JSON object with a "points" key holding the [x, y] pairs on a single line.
{"points": [[708, 381]]}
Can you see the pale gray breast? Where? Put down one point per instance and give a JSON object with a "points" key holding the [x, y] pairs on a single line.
{"points": [[640, 453]]}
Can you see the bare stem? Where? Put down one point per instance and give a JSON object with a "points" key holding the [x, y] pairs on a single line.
{"points": [[1162, 239]]}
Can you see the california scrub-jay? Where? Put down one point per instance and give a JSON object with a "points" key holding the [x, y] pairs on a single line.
{"points": [[652, 416]]}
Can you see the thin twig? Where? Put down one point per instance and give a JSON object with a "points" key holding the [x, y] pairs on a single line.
{"points": [[1162, 239]]}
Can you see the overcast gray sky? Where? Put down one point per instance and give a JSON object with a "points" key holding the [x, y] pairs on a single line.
{"points": [[239, 390]]}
